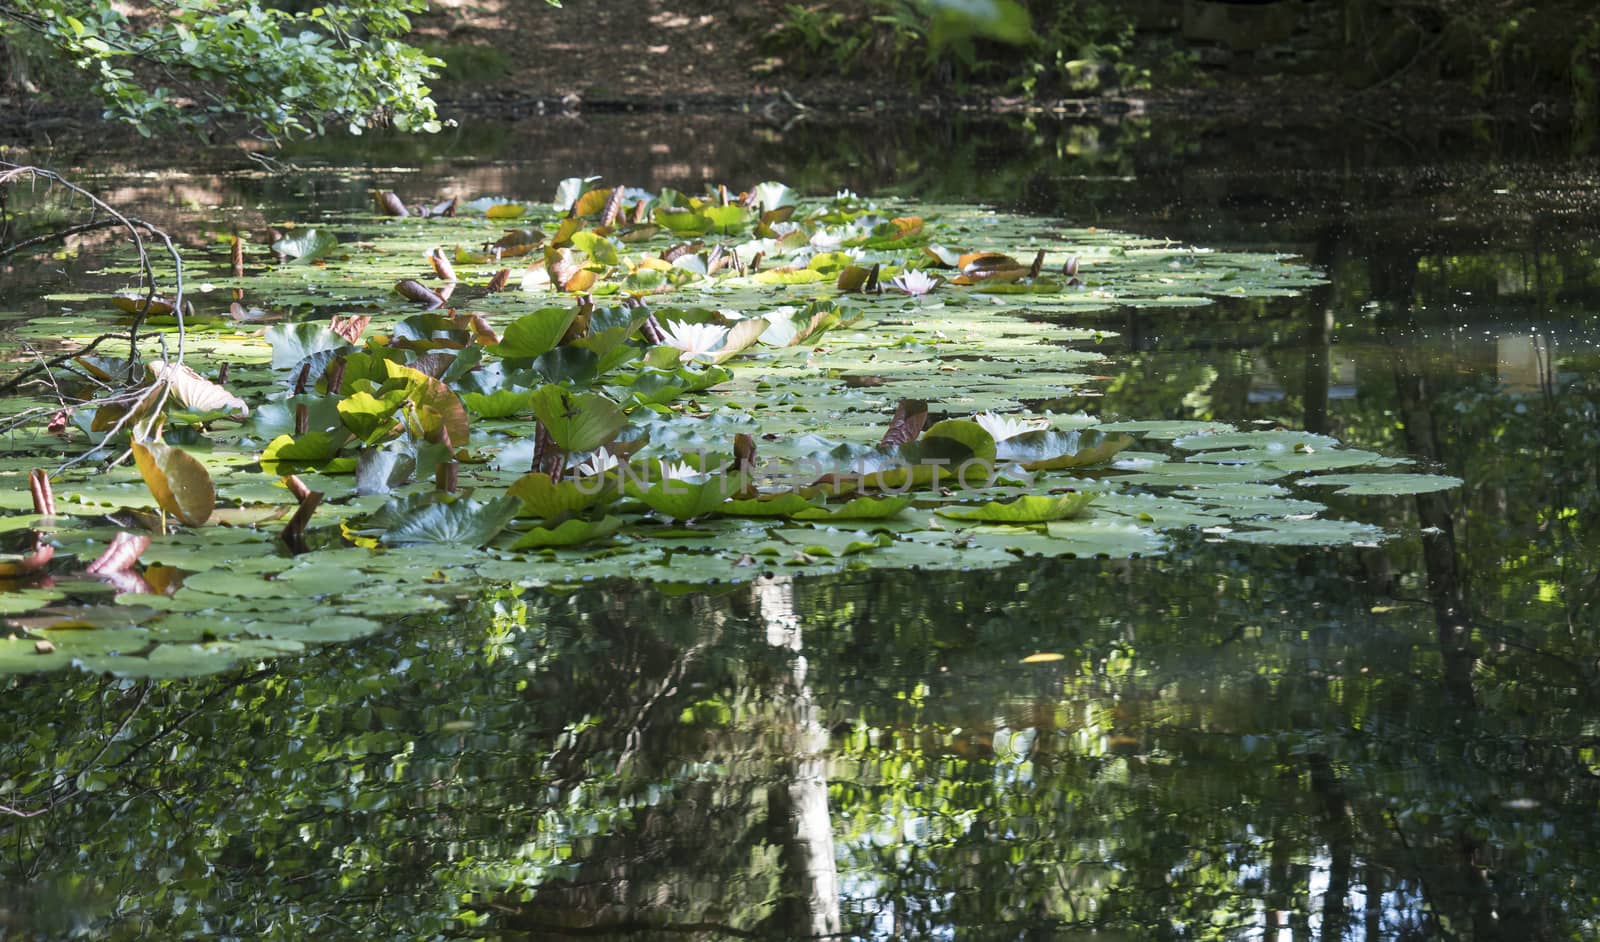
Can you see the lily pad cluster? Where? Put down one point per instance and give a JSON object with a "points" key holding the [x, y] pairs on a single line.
{"points": [[395, 409]]}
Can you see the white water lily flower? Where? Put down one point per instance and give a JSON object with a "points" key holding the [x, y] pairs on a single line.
{"points": [[914, 283], [598, 463], [828, 240], [846, 194], [693, 339], [680, 471], [1002, 427]]}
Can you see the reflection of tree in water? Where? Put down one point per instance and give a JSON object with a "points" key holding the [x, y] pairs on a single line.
{"points": [[740, 839]]}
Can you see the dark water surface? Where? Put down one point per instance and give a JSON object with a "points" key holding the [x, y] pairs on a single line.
{"points": [[1230, 742]]}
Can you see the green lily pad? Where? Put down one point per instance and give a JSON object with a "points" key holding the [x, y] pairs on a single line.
{"points": [[687, 498], [859, 508], [1384, 484], [288, 454], [1054, 450], [833, 543], [307, 245], [534, 334], [1314, 532], [293, 343], [568, 533], [500, 404], [461, 522], [1169, 429], [577, 422], [552, 500], [1025, 509]]}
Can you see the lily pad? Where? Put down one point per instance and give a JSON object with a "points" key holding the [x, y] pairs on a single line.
{"points": [[307, 245], [1025, 509], [569, 533], [1315, 532], [462, 522], [1384, 484]]}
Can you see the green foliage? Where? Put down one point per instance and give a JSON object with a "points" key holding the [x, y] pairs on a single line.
{"points": [[1066, 48], [203, 62]]}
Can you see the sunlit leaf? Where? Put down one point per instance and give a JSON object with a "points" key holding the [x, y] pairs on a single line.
{"points": [[181, 485], [307, 245]]}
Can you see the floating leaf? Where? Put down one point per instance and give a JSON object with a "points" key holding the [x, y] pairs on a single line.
{"points": [[1314, 532], [1026, 509], [1056, 450], [835, 543], [786, 504], [860, 508], [1284, 442], [1384, 484], [461, 522], [307, 246], [181, 485], [556, 500], [569, 533], [687, 498]]}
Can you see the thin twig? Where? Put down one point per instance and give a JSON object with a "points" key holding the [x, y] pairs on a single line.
{"points": [[147, 279], [58, 236]]}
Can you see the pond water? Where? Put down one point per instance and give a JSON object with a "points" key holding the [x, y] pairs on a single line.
{"points": [[1228, 741]]}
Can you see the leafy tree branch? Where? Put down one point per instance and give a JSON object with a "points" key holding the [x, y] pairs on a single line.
{"points": [[199, 63]]}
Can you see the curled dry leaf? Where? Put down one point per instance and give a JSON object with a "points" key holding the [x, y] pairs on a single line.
{"points": [[350, 326], [498, 282], [909, 418], [195, 391], [391, 205], [20, 565], [120, 555], [613, 208], [441, 264], [744, 454], [294, 532], [988, 266], [592, 203], [523, 239], [422, 294], [44, 497], [481, 330]]}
